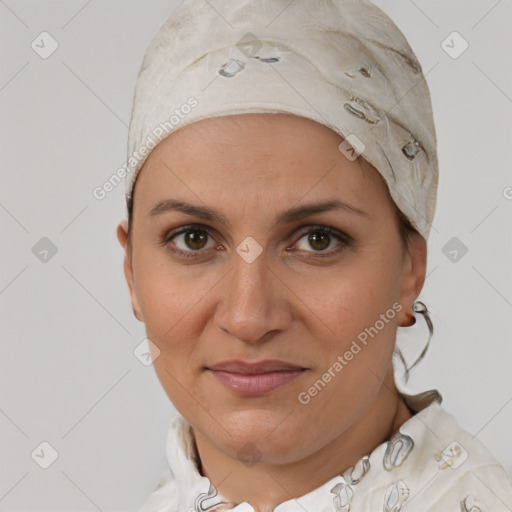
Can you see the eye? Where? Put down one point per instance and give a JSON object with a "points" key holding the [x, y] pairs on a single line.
{"points": [[322, 238], [191, 241], [188, 241]]}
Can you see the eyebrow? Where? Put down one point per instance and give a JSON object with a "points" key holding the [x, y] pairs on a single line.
{"points": [[296, 213]]}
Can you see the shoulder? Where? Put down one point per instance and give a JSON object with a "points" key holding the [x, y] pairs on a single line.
{"points": [[461, 473], [477, 489]]}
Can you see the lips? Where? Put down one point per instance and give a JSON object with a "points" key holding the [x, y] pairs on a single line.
{"points": [[247, 378], [256, 367]]}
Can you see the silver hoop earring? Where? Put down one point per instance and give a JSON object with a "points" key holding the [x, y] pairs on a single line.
{"points": [[419, 307]]}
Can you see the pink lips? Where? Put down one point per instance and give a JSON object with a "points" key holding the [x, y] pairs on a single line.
{"points": [[255, 379]]}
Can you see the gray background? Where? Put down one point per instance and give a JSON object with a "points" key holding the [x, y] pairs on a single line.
{"points": [[68, 374]]}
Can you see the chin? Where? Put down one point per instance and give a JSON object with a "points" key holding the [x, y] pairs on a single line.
{"points": [[264, 435]]}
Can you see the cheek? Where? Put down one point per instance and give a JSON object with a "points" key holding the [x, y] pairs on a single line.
{"points": [[352, 297], [172, 305], [173, 310], [169, 295], [359, 305]]}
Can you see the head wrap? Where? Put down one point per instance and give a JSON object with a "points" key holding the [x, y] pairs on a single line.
{"points": [[342, 63]]}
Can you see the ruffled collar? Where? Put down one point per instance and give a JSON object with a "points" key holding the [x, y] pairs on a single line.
{"points": [[183, 487]]}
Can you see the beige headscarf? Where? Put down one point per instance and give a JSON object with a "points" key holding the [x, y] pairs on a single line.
{"points": [[342, 63]]}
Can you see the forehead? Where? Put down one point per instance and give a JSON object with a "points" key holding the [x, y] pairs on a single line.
{"points": [[270, 129], [279, 156]]}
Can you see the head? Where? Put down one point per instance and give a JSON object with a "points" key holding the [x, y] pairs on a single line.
{"points": [[322, 277]]}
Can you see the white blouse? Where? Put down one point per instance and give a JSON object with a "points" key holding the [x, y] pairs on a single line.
{"points": [[429, 465]]}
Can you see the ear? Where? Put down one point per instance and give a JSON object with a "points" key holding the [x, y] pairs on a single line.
{"points": [[122, 236], [413, 277]]}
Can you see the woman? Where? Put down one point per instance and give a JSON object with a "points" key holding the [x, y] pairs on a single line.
{"points": [[282, 185]]}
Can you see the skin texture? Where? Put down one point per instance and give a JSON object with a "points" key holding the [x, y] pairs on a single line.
{"points": [[290, 303]]}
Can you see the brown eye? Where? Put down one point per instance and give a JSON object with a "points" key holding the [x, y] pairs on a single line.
{"points": [[195, 239], [319, 240], [323, 240], [190, 240]]}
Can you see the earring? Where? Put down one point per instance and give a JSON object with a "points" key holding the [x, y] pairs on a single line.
{"points": [[418, 307]]}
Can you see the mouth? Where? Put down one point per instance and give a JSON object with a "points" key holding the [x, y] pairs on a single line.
{"points": [[255, 378]]}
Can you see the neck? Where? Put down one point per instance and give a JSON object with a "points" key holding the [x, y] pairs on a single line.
{"points": [[265, 486]]}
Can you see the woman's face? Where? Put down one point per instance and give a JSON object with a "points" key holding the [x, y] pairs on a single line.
{"points": [[231, 261]]}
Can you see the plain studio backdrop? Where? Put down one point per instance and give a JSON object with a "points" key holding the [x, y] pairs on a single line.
{"points": [[73, 394]]}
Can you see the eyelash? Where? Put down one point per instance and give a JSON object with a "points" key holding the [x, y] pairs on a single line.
{"points": [[345, 240]]}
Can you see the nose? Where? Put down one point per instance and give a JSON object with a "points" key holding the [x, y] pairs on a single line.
{"points": [[254, 302]]}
